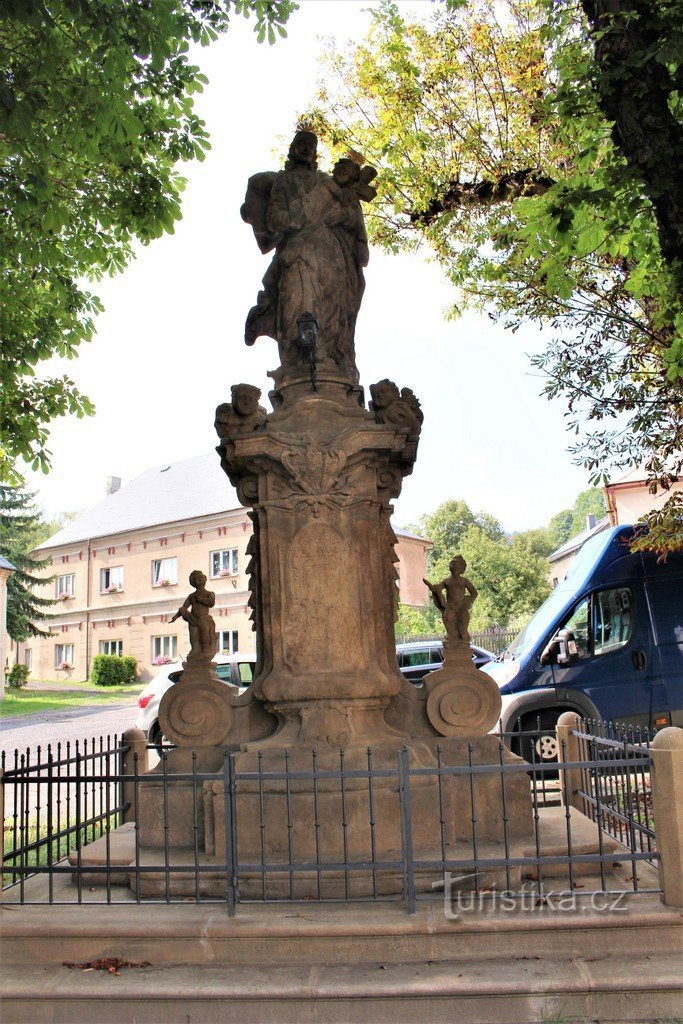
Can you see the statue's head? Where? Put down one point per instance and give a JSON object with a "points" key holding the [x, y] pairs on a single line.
{"points": [[197, 579], [384, 393], [346, 172], [457, 565], [245, 399], [303, 150]]}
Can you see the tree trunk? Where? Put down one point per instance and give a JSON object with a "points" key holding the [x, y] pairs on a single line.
{"points": [[634, 89]]}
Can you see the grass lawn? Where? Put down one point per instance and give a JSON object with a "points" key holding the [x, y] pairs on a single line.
{"points": [[17, 703]]}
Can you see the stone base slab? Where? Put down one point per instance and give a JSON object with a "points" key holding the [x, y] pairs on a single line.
{"points": [[607, 988], [336, 884]]}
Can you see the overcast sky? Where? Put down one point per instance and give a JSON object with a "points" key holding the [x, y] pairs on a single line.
{"points": [[169, 343]]}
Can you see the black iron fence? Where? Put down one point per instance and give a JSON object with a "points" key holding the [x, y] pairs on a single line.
{"points": [[56, 799], [616, 792], [89, 823]]}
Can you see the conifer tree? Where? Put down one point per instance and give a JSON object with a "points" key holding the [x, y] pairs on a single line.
{"points": [[19, 521]]}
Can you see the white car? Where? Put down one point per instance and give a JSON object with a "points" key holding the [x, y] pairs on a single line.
{"points": [[234, 669]]}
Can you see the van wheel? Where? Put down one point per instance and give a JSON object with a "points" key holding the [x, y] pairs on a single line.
{"points": [[547, 748], [538, 739]]}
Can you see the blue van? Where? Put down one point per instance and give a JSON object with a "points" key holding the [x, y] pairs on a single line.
{"points": [[608, 644]]}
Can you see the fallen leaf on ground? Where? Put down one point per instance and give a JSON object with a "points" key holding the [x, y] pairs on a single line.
{"points": [[110, 964]]}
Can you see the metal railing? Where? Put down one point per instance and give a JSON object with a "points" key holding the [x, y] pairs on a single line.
{"points": [[88, 823], [56, 799], [616, 792]]}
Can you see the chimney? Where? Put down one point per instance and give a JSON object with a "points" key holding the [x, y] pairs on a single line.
{"points": [[591, 520], [113, 484]]}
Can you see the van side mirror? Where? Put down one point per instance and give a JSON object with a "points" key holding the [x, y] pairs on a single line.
{"points": [[561, 650]]}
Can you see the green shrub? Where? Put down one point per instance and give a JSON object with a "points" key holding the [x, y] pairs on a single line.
{"points": [[17, 676], [112, 670], [130, 668]]}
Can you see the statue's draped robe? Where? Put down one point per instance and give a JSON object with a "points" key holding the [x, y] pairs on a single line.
{"points": [[321, 247]]}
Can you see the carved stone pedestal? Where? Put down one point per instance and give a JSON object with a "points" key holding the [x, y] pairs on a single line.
{"points": [[295, 810], [320, 474]]}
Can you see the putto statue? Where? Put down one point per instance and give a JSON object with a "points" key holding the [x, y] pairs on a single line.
{"points": [[195, 611], [315, 224], [454, 598], [398, 409], [241, 415]]}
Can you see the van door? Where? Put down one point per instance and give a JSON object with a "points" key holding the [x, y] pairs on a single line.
{"points": [[613, 664], [665, 594]]}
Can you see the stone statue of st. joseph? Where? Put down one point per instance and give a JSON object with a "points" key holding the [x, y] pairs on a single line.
{"points": [[315, 224]]}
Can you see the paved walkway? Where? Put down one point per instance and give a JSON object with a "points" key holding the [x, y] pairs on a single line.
{"points": [[70, 724]]}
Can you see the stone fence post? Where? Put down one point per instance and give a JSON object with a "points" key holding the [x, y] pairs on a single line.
{"points": [[136, 742], [666, 775], [569, 749]]}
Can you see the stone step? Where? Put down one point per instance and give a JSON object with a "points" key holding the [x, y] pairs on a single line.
{"points": [[602, 986], [286, 934]]}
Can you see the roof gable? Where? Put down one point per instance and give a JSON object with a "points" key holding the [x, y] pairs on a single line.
{"points": [[165, 494]]}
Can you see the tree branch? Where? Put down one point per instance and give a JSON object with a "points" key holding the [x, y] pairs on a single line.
{"points": [[456, 194]]}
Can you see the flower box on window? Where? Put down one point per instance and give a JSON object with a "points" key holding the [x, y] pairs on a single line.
{"points": [[64, 666], [161, 659], [164, 583], [114, 590], [64, 597]]}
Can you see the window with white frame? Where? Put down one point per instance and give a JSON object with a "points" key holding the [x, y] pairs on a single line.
{"points": [[65, 586], [28, 658], [164, 572], [224, 563], [111, 647], [228, 641], [164, 649], [64, 655], [111, 579]]}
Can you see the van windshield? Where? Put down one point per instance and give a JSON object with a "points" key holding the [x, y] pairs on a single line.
{"points": [[579, 571], [538, 625]]}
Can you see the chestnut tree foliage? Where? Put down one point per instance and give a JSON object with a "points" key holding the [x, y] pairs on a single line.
{"points": [[535, 148], [96, 111]]}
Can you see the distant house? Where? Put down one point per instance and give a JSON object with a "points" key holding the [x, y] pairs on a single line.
{"points": [[628, 498], [561, 559], [121, 571]]}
